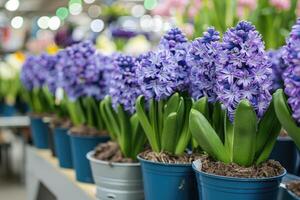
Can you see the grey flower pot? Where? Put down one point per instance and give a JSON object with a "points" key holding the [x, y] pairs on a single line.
{"points": [[119, 181]]}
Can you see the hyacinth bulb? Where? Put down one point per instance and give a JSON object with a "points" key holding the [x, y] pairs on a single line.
{"points": [[124, 88], [243, 70], [292, 73], [202, 58]]}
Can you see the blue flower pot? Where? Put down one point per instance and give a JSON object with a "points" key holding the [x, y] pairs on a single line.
{"points": [[63, 147], [51, 143], [168, 181], [7, 110], [39, 131], [212, 187], [285, 151], [80, 146], [285, 194]]}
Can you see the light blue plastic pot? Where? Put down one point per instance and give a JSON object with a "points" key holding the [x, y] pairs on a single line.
{"points": [[80, 146], [63, 147], [168, 181], [7, 110], [213, 187], [39, 132]]}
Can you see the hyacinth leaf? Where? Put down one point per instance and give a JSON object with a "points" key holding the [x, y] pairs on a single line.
{"points": [[206, 136], [153, 116], [112, 116], [125, 139], [202, 106], [88, 112], [76, 112], [268, 129], [169, 135], [265, 153], [185, 135], [36, 101], [160, 114], [283, 113], [154, 142], [229, 136], [180, 117], [106, 120], [244, 129], [218, 120], [98, 119], [137, 136], [172, 104]]}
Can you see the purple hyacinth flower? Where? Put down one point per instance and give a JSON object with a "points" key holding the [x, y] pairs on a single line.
{"points": [[32, 74], [292, 73], [202, 56], [243, 70], [160, 75], [123, 87], [278, 67], [172, 38], [81, 71]]}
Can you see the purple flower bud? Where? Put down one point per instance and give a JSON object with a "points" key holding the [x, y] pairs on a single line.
{"points": [[292, 73], [202, 56], [172, 38], [243, 70], [123, 87]]}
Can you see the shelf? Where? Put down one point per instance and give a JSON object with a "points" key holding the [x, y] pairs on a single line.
{"points": [[42, 168]]}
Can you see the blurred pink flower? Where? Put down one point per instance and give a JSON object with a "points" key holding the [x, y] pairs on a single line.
{"points": [[188, 29], [250, 4], [244, 5], [194, 8], [162, 10], [281, 4]]}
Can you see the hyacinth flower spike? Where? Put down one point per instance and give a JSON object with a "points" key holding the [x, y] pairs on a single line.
{"points": [[163, 108], [118, 108], [242, 86], [287, 101]]}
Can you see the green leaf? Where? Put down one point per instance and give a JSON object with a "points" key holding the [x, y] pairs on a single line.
{"points": [[185, 134], [202, 106], [268, 129], [109, 126], [206, 137], [244, 129], [112, 116], [218, 120], [125, 139], [138, 136], [285, 117], [171, 105], [153, 116], [169, 135], [229, 136], [149, 131]]}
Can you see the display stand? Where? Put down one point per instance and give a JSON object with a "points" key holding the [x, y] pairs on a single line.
{"points": [[46, 180]]}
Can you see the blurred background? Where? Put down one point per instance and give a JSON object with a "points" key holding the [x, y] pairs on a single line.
{"points": [[131, 26]]}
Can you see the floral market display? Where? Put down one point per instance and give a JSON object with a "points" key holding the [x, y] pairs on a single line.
{"points": [[118, 158], [287, 100], [163, 110], [238, 149]]}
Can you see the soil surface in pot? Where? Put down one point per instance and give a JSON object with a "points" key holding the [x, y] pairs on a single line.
{"points": [[294, 187], [40, 115], [270, 168], [60, 122], [84, 130], [110, 151], [165, 157]]}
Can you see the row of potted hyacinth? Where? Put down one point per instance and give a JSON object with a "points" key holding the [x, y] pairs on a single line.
{"points": [[148, 124]]}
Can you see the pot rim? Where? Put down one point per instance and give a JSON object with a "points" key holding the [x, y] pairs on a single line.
{"points": [[236, 178], [90, 157], [86, 136], [292, 194], [164, 164]]}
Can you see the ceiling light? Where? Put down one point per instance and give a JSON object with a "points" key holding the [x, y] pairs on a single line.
{"points": [[97, 25], [12, 5], [43, 22], [54, 23], [17, 22]]}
